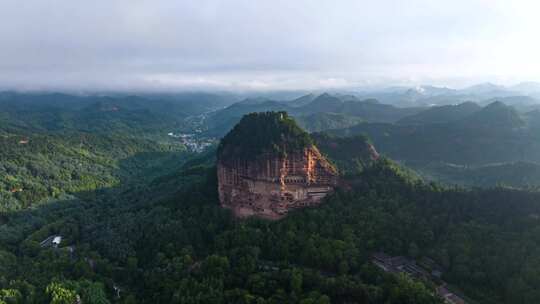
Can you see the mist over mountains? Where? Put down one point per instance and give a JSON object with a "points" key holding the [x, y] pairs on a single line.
{"points": [[526, 92]]}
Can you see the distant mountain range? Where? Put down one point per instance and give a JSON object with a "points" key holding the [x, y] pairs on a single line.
{"points": [[59, 111], [486, 140], [525, 93], [441, 114], [463, 134], [483, 125], [378, 105], [315, 113]]}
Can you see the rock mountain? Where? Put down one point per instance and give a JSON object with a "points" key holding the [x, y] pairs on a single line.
{"points": [[267, 165]]}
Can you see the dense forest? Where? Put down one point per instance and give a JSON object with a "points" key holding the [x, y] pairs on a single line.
{"points": [[40, 167], [269, 152], [140, 222], [266, 132], [168, 241]]}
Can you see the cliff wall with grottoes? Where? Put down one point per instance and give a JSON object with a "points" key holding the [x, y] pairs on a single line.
{"points": [[268, 165], [272, 184]]}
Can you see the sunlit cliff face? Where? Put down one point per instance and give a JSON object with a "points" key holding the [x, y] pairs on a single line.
{"points": [[270, 185]]}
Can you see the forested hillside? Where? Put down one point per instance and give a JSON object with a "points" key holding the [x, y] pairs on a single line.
{"points": [[37, 168], [269, 152], [140, 222], [441, 114], [462, 144], [265, 132], [168, 241], [138, 115], [56, 145]]}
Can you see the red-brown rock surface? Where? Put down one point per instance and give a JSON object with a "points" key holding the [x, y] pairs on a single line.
{"points": [[267, 165], [270, 185]]}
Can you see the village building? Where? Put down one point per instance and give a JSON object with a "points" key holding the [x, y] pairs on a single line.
{"points": [[448, 296], [400, 264], [51, 241]]}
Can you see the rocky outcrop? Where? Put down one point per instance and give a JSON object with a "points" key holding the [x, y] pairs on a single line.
{"points": [[267, 171], [271, 185]]}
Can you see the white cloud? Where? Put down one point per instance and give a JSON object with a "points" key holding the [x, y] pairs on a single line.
{"points": [[242, 44]]}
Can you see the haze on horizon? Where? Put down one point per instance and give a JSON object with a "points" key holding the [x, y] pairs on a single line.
{"points": [[265, 45]]}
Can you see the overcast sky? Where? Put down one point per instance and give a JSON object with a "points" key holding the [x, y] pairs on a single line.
{"points": [[265, 45]]}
